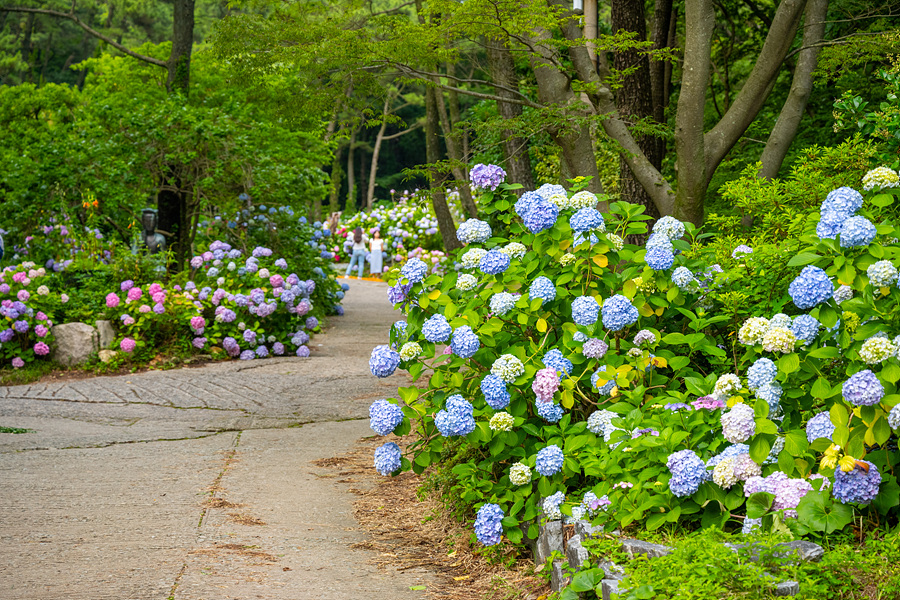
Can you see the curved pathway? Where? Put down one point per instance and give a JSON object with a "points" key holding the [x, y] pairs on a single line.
{"points": [[197, 484]]}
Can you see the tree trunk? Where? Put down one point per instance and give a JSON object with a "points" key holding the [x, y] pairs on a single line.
{"points": [[432, 154], [337, 176], [455, 116], [634, 99], [376, 150], [455, 155], [351, 174], [26, 44], [574, 141], [179, 63], [172, 211], [515, 148], [785, 128]]}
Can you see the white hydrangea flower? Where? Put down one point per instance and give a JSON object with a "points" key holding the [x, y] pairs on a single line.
{"points": [[263, 273], [567, 259], [519, 474], [880, 178], [877, 349], [779, 339], [723, 475], [508, 368], [727, 385], [502, 421], [882, 273], [753, 331], [514, 250], [466, 282], [583, 199], [472, 257], [560, 200], [842, 294], [43, 290], [410, 350], [617, 242]]}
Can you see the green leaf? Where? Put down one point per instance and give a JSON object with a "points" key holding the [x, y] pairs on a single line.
{"points": [[881, 431], [759, 504], [656, 520], [821, 388], [795, 442], [890, 372], [825, 352], [818, 512], [804, 258], [760, 446], [585, 581], [789, 363], [888, 496], [882, 200]]}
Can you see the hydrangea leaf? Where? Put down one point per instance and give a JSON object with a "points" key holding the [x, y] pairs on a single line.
{"points": [[759, 504], [818, 512], [804, 258]]}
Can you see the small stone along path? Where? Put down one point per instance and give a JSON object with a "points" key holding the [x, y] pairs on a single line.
{"points": [[198, 483]]}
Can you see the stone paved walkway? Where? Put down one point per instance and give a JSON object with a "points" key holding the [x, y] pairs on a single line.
{"points": [[110, 498]]}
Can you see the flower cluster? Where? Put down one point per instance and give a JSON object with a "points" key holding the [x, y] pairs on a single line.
{"points": [[880, 178], [859, 485], [549, 460], [488, 524], [473, 231], [384, 417], [688, 472], [618, 312], [738, 424], [487, 177], [456, 418]]}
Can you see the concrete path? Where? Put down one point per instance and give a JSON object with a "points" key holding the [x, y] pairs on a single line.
{"points": [[197, 484]]}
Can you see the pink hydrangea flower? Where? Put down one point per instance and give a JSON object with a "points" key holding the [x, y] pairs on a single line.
{"points": [[144, 309], [545, 384], [41, 349], [128, 321], [276, 281], [23, 295], [154, 288], [127, 345], [18, 363], [159, 297], [20, 277], [40, 316], [63, 298], [198, 322], [134, 293], [112, 300], [40, 330]]}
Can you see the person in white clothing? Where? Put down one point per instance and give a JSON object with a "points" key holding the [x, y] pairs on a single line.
{"points": [[376, 247], [360, 247]]}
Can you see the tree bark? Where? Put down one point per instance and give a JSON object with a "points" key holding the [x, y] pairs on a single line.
{"points": [[455, 155], [337, 176], [376, 150], [179, 63], [635, 98], [689, 139], [171, 205], [351, 174], [432, 154], [515, 148], [26, 44], [785, 128], [554, 88]]}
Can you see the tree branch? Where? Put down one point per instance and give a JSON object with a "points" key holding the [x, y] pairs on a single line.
{"points": [[752, 96], [87, 28], [428, 78], [404, 132]]}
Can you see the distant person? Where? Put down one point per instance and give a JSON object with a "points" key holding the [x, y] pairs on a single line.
{"points": [[360, 247], [376, 247]]}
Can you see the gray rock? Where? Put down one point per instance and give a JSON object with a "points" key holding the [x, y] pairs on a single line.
{"points": [[608, 587], [74, 343], [106, 333], [558, 577], [611, 570], [575, 553], [632, 547], [550, 540], [805, 551], [106, 355], [586, 530], [787, 588]]}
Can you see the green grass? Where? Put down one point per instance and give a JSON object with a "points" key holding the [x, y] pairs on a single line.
{"points": [[14, 430]]}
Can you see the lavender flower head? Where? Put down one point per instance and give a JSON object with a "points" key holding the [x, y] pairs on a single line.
{"points": [[688, 472], [594, 348], [863, 389], [541, 215], [858, 485], [383, 361], [486, 177], [738, 424]]}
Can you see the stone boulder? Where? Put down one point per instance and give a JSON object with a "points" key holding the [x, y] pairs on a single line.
{"points": [[74, 343], [106, 333]]}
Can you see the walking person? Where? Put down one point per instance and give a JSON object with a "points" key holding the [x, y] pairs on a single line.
{"points": [[360, 247], [376, 247]]}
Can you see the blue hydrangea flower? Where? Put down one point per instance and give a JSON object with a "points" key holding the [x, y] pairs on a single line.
{"points": [[863, 389], [549, 411], [523, 204], [384, 417], [387, 458], [811, 287], [397, 293], [383, 361], [828, 227], [503, 302], [618, 312], [659, 259], [555, 360], [494, 262], [688, 472], [549, 460], [682, 277], [414, 270], [585, 310], [437, 329], [805, 328], [820, 426], [542, 215], [771, 393], [465, 343], [607, 387], [542, 288], [587, 219], [495, 392], [658, 241], [857, 231], [858, 486], [843, 201], [473, 231], [670, 227], [456, 417], [489, 524], [760, 373]]}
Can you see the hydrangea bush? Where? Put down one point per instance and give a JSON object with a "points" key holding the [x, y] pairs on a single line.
{"points": [[613, 374], [25, 301]]}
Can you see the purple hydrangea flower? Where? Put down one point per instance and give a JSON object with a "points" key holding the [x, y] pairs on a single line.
{"points": [[820, 426], [487, 177], [397, 293], [248, 355], [312, 323], [738, 424], [262, 351], [863, 389], [414, 270], [688, 472], [594, 348], [858, 486], [303, 351]]}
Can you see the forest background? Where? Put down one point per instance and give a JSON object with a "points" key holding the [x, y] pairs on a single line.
{"points": [[202, 107]]}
